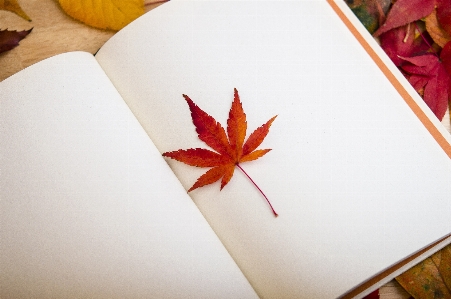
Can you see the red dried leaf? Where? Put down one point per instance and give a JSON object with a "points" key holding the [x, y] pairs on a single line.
{"points": [[230, 151], [444, 14], [208, 130], [436, 92], [402, 42], [199, 157], [421, 65], [10, 39], [373, 295], [256, 138], [225, 172], [445, 57], [254, 155], [418, 82], [435, 30], [404, 12], [428, 75], [236, 126]]}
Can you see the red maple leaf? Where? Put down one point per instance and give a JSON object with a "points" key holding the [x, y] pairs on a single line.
{"points": [[229, 151], [402, 42], [404, 12]]}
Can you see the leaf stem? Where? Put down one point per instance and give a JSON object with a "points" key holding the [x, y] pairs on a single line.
{"points": [[425, 40], [238, 165]]}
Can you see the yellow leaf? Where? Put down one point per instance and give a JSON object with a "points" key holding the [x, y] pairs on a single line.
{"points": [[13, 6], [104, 14], [430, 278]]}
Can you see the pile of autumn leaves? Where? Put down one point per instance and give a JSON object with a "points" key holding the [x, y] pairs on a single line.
{"points": [[107, 14], [416, 35]]}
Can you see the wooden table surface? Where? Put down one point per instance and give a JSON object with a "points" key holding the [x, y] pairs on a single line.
{"points": [[54, 32]]}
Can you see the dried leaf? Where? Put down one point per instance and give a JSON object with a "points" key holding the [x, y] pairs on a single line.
{"points": [[105, 14], [444, 14], [370, 12], [430, 278], [372, 295], [404, 12], [429, 70], [403, 42], [445, 57], [10, 39], [13, 6], [230, 151], [438, 34], [445, 265]]}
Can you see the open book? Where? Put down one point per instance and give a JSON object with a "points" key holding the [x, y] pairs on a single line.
{"points": [[359, 171]]}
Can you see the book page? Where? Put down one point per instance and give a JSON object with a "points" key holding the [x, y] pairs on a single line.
{"points": [[357, 180], [88, 208]]}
